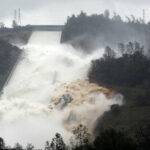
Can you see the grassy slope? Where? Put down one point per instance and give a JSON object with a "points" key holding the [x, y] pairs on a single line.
{"points": [[130, 115]]}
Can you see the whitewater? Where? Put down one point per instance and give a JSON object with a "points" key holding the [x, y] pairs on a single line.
{"points": [[31, 104]]}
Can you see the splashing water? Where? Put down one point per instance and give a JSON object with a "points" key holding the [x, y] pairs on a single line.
{"points": [[38, 83]]}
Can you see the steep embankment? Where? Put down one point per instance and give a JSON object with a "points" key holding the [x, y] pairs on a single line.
{"points": [[9, 56]]}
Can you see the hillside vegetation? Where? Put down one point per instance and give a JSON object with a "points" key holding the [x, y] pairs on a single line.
{"points": [[129, 75], [91, 32], [125, 66]]}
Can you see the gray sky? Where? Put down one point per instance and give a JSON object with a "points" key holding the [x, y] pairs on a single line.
{"points": [[56, 11]]}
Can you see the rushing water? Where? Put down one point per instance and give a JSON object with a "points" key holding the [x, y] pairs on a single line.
{"points": [[25, 115]]}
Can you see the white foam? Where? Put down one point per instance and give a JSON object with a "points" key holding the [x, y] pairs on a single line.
{"points": [[24, 113]]}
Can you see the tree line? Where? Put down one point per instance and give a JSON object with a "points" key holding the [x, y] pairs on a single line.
{"points": [[91, 32], [131, 68], [107, 139]]}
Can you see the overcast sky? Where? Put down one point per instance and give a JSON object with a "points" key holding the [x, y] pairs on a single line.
{"points": [[56, 11]]}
